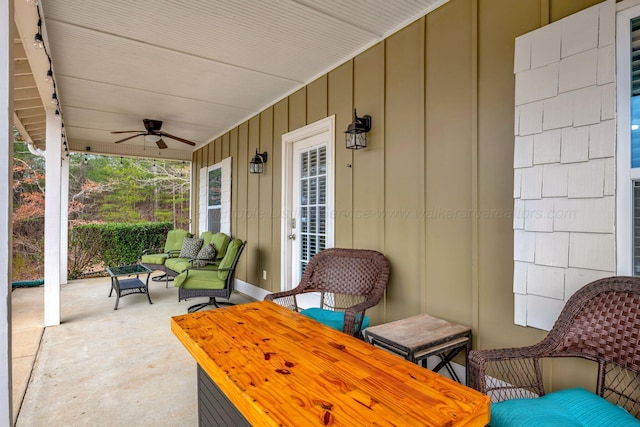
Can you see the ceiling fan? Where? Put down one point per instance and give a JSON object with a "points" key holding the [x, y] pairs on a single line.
{"points": [[153, 134]]}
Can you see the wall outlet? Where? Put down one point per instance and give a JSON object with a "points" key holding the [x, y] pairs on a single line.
{"points": [[264, 274]]}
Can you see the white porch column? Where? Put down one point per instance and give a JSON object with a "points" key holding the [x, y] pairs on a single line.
{"points": [[52, 215], [64, 220], [6, 180]]}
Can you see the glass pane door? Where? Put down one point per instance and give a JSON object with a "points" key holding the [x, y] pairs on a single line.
{"points": [[312, 203]]}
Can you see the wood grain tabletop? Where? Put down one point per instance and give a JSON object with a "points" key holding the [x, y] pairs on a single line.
{"points": [[280, 368]]}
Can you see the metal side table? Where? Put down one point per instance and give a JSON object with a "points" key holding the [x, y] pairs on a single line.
{"points": [[129, 286], [419, 337]]}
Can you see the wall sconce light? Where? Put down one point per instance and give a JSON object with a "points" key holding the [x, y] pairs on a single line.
{"points": [[356, 133], [257, 163]]}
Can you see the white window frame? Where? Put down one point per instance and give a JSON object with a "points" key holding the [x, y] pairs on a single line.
{"points": [[225, 199], [625, 175]]}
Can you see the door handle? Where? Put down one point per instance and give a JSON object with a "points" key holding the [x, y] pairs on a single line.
{"points": [[292, 237]]}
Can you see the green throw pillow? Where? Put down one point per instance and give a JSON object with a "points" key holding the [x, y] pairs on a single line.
{"points": [[190, 247]]}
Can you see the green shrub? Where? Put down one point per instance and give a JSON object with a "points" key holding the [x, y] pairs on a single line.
{"points": [[111, 244]]}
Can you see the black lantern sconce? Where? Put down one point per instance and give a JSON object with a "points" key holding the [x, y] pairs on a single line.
{"points": [[356, 133], [257, 163]]}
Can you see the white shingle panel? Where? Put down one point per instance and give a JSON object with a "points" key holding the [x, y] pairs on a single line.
{"points": [[536, 84], [558, 111], [524, 245], [602, 139], [608, 105], [607, 23], [545, 45], [592, 251], [518, 214], [546, 147], [587, 107], [530, 116], [586, 179], [516, 121], [522, 53], [520, 309], [610, 177], [520, 277], [580, 31], [517, 180], [552, 249], [575, 145], [606, 65], [538, 215], [523, 151], [545, 281], [555, 178], [585, 215], [542, 312], [576, 278], [531, 185], [578, 71]]}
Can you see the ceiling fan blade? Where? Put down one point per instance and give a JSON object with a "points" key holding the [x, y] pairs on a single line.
{"points": [[128, 138], [177, 138], [161, 144], [125, 131]]}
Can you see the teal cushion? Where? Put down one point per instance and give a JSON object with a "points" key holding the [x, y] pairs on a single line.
{"points": [[565, 408], [330, 318]]}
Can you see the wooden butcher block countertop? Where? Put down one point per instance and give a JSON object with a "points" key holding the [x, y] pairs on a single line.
{"points": [[281, 368]]}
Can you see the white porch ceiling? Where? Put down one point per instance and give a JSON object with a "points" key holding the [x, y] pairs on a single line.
{"points": [[201, 67]]}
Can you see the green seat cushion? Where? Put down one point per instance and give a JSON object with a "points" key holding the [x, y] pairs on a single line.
{"points": [[330, 318], [178, 264], [565, 408], [229, 257], [158, 259], [220, 242], [174, 239], [199, 279]]}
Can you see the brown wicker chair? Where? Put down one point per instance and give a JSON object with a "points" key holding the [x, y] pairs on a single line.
{"points": [[348, 280], [600, 322]]}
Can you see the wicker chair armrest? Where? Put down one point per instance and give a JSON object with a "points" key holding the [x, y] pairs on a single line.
{"points": [[285, 298], [353, 326], [507, 373]]}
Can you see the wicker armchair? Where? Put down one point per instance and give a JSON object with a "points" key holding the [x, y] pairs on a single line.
{"points": [[600, 322], [348, 281]]}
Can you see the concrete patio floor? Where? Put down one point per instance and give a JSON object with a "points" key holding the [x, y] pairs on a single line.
{"points": [[102, 367]]}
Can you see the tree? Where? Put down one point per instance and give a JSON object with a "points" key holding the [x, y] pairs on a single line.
{"points": [[101, 189]]}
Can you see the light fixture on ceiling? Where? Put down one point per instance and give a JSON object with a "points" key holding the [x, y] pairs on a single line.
{"points": [[256, 165], [38, 41], [54, 98], [49, 77], [356, 133], [152, 138]]}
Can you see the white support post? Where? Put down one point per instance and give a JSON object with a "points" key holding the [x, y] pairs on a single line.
{"points": [[6, 180], [64, 221], [52, 215]]}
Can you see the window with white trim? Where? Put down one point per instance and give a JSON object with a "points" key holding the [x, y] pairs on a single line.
{"points": [[628, 147], [215, 198]]}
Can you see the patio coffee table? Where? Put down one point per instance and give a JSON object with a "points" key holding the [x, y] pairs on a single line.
{"points": [[129, 286]]}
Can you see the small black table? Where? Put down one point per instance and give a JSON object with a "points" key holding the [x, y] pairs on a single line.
{"points": [[129, 286]]}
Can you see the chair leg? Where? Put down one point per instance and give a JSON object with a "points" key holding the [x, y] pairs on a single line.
{"points": [[212, 301]]}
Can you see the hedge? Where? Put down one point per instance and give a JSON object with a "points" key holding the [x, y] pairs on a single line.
{"points": [[94, 246]]}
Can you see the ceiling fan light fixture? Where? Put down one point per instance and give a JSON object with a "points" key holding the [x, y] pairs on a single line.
{"points": [[152, 138]]}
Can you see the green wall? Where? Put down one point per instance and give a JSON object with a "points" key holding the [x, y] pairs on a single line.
{"points": [[439, 165]]}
